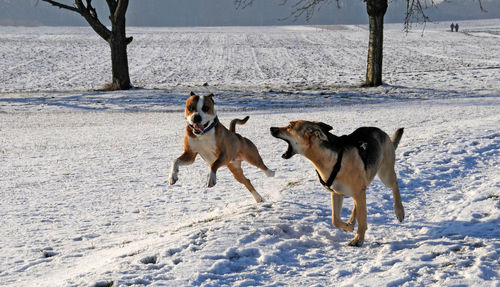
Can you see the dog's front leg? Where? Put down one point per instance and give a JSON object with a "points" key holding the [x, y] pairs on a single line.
{"points": [[186, 158], [212, 178], [337, 201]]}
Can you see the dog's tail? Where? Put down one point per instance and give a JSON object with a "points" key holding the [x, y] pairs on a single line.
{"points": [[397, 137], [232, 125]]}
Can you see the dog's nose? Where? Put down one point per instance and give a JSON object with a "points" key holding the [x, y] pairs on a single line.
{"points": [[274, 131], [197, 118]]}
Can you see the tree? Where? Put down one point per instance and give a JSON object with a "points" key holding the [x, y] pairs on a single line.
{"points": [[376, 11], [116, 37]]}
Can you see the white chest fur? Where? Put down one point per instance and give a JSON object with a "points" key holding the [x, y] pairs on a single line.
{"points": [[205, 145]]}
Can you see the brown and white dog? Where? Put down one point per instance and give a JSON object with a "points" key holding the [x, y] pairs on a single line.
{"points": [[348, 164], [217, 145]]}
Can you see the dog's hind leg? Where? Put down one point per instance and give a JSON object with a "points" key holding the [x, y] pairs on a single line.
{"points": [[186, 158], [387, 175], [235, 168], [360, 205], [252, 156]]}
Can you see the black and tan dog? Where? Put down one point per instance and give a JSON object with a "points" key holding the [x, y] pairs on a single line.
{"points": [[217, 145], [348, 164]]}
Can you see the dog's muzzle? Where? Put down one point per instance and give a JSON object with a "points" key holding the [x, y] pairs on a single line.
{"points": [[200, 129]]}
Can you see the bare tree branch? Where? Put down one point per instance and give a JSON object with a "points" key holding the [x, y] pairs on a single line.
{"points": [[111, 7], [88, 12], [307, 7], [62, 6], [242, 4], [91, 9], [481, 6], [415, 12], [300, 7], [415, 9], [121, 9]]}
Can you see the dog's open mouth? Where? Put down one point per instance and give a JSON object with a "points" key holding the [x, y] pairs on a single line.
{"points": [[289, 151], [275, 132], [199, 128]]}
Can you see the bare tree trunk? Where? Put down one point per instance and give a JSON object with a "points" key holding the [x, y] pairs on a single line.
{"points": [[376, 10], [119, 61]]}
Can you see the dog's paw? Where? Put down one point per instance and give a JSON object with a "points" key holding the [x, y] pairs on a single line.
{"points": [[173, 179], [350, 226], [400, 212], [257, 197], [269, 173], [356, 242], [351, 221], [212, 180]]}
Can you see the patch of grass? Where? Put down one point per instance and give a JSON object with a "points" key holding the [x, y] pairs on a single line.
{"points": [[132, 254], [293, 183], [125, 242], [290, 185], [448, 264], [210, 219], [48, 254], [104, 284], [149, 260]]}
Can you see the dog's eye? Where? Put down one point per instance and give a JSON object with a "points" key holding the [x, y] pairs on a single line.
{"points": [[190, 108], [290, 126], [205, 109]]}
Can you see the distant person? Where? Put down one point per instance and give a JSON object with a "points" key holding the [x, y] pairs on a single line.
{"points": [[456, 27], [452, 26]]}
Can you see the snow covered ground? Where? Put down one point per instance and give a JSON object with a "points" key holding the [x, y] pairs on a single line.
{"points": [[83, 174]]}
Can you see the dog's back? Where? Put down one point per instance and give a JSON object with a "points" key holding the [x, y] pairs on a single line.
{"points": [[374, 147], [368, 141]]}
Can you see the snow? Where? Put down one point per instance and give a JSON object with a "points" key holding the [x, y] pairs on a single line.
{"points": [[85, 197]]}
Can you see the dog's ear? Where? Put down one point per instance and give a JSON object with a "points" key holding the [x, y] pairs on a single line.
{"points": [[210, 97], [192, 94], [325, 127], [317, 132]]}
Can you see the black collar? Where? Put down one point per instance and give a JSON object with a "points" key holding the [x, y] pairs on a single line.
{"points": [[335, 171]]}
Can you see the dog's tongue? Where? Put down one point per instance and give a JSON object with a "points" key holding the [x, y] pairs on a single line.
{"points": [[198, 127]]}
